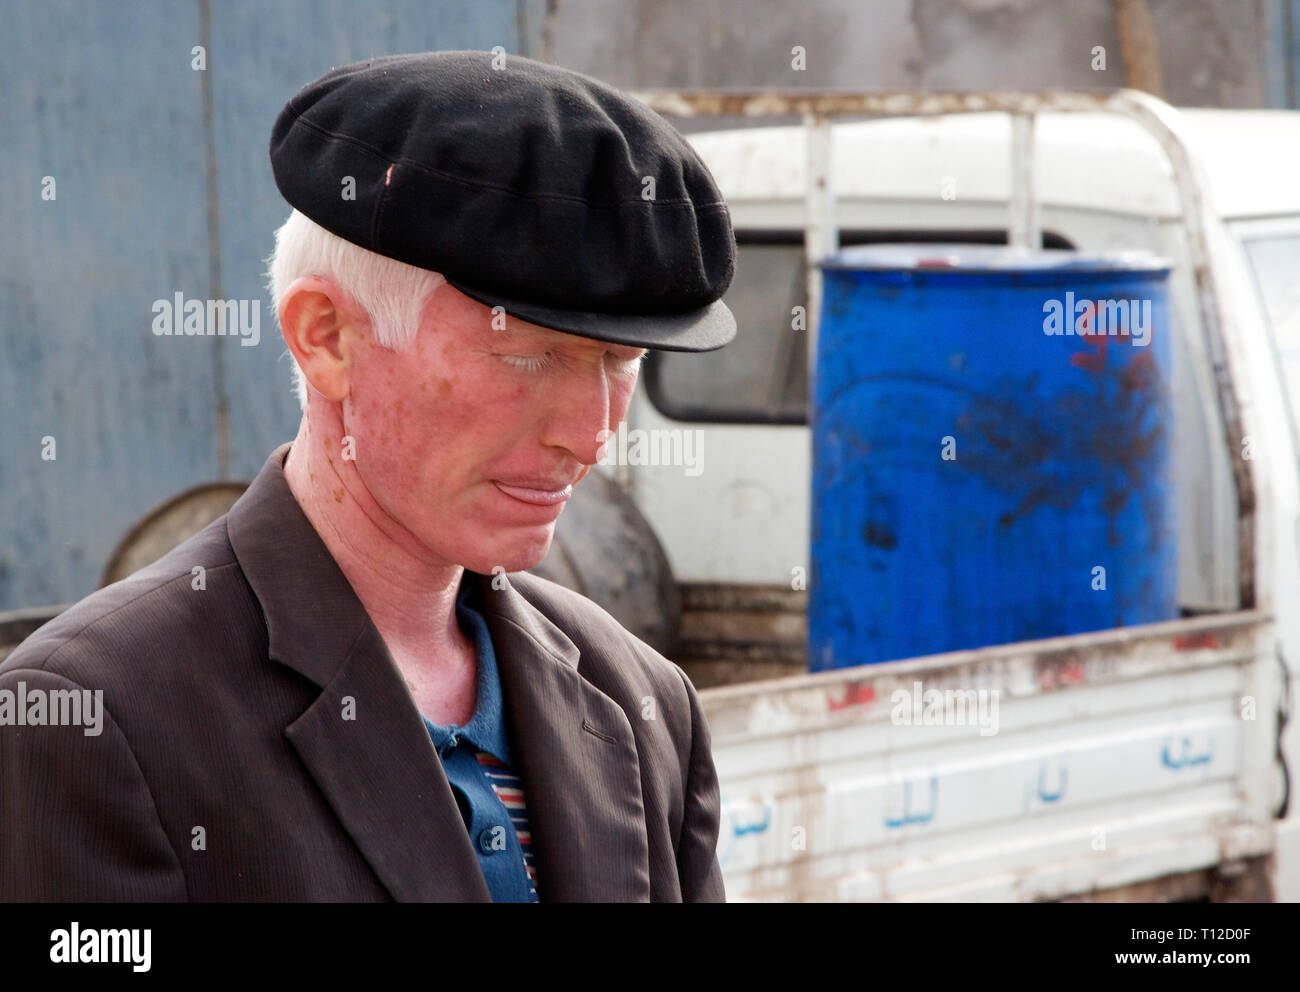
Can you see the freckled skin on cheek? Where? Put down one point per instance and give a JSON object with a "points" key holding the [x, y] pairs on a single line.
{"points": [[435, 425]]}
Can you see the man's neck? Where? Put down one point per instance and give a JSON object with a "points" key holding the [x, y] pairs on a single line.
{"points": [[411, 600]]}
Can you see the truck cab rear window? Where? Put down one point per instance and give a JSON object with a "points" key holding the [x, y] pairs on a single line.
{"points": [[762, 376]]}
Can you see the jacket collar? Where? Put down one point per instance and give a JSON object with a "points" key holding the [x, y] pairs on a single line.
{"points": [[365, 743]]}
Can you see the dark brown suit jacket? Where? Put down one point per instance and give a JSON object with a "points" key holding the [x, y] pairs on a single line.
{"points": [[225, 711]]}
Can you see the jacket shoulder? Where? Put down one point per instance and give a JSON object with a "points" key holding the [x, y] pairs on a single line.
{"points": [[587, 622], [611, 657], [137, 618]]}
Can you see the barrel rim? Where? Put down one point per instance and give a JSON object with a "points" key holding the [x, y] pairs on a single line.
{"points": [[1000, 260]]}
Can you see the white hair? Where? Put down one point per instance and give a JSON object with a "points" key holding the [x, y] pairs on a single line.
{"points": [[391, 293]]}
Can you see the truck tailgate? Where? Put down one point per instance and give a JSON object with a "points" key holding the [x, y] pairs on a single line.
{"points": [[1096, 761]]}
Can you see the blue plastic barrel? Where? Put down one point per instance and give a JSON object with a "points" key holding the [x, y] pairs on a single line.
{"points": [[992, 439]]}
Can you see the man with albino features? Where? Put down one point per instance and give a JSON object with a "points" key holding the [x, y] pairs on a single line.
{"points": [[367, 698]]}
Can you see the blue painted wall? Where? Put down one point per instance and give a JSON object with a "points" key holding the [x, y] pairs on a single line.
{"points": [[162, 185]]}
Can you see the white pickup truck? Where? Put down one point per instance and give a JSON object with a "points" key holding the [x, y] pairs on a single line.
{"points": [[1147, 762]]}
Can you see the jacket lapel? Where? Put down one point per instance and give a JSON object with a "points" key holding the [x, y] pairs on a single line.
{"points": [[362, 740], [577, 760], [384, 781]]}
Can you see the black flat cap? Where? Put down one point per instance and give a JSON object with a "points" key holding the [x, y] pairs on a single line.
{"points": [[541, 190]]}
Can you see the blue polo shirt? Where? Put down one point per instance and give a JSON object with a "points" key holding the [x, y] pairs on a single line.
{"points": [[480, 768]]}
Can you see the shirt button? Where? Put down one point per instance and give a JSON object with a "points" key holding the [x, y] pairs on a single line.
{"points": [[492, 840]]}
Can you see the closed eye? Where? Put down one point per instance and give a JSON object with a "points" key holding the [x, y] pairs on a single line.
{"points": [[629, 366], [529, 363], [546, 360]]}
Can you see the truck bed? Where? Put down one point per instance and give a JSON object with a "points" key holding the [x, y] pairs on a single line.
{"points": [[1112, 759]]}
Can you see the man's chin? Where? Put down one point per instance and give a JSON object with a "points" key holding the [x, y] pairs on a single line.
{"points": [[526, 553]]}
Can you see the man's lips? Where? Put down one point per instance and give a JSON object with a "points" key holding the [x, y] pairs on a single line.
{"points": [[537, 493]]}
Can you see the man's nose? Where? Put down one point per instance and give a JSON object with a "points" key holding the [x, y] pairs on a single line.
{"points": [[578, 417]]}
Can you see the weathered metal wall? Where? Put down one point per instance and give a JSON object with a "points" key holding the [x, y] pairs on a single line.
{"points": [[161, 185], [1212, 52], [1282, 62]]}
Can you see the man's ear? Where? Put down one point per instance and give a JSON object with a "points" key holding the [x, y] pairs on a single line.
{"points": [[321, 326]]}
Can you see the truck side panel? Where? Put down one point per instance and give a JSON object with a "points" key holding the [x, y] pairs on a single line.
{"points": [[1026, 772]]}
